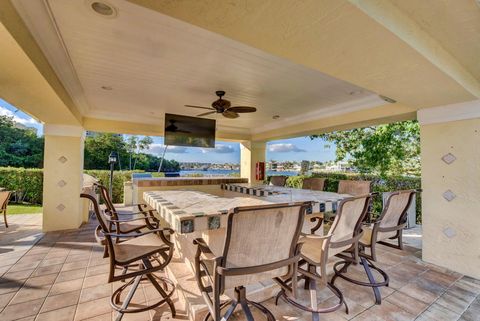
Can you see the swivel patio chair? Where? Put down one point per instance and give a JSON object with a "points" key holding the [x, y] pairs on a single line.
{"points": [[4, 198], [261, 243], [389, 226], [354, 188], [144, 253], [137, 221], [341, 241], [314, 183], [278, 180]]}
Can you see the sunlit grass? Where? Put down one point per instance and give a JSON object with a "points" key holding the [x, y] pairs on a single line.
{"points": [[13, 209]]}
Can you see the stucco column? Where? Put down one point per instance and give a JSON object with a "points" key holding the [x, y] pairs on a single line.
{"points": [[62, 177], [450, 143], [250, 154]]}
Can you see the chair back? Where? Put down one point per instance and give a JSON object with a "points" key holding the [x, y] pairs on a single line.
{"points": [[107, 200], [394, 213], [354, 188], [258, 239], [102, 219], [314, 183], [4, 198], [278, 180], [347, 224]]}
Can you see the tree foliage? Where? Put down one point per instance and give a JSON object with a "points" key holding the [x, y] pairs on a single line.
{"points": [[19, 147], [131, 153], [392, 149]]}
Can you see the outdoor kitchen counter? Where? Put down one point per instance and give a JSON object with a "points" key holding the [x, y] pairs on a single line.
{"points": [[188, 211], [186, 181], [211, 185]]}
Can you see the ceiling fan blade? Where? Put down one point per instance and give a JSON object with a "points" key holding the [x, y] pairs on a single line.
{"points": [[230, 114], [242, 109], [193, 106], [207, 113]]}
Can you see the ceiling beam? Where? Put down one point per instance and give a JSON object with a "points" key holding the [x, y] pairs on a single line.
{"points": [[27, 79], [404, 27]]}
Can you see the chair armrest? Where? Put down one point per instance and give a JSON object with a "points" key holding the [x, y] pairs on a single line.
{"points": [[158, 231], [205, 250], [126, 221]]}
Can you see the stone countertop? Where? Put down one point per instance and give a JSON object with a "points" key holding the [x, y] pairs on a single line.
{"points": [[185, 181], [188, 211]]}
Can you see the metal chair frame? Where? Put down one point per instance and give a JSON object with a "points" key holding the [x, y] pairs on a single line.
{"points": [[143, 263], [310, 274], [211, 292], [366, 260], [3, 206]]}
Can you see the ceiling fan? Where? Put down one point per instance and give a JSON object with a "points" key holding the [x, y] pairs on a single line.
{"points": [[223, 106]]}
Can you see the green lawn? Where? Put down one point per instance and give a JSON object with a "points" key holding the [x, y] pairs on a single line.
{"points": [[24, 209]]}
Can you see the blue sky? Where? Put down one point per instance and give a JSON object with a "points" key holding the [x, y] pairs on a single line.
{"points": [[295, 149]]}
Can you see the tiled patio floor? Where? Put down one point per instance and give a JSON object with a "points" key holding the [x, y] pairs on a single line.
{"points": [[63, 277]]}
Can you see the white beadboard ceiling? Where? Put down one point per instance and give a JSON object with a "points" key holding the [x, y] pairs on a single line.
{"points": [[156, 64]]}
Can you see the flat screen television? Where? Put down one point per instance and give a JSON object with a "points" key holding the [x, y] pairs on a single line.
{"points": [[189, 131]]}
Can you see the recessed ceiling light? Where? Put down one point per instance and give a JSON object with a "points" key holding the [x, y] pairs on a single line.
{"points": [[388, 99], [276, 116], [107, 88], [103, 8]]}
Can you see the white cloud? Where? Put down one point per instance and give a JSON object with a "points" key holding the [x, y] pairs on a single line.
{"points": [[219, 149], [24, 121], [157, 149], [284, 148]]}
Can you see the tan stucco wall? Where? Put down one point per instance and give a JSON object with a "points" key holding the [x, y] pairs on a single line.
{"points": [[62, 183], [250, 154], [451, 230]]}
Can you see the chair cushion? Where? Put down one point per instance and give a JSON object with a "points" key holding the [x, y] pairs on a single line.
{"points": [[136, 248]]}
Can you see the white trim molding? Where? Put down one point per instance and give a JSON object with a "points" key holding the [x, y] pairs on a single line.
{"points": [[447, 113], [63, 130]]}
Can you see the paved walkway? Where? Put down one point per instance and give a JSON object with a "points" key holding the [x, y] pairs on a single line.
{"points": [[63, 277]]}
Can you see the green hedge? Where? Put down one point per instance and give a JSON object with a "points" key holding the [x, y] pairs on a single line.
{"points": [[379, 184], [28, 183]]}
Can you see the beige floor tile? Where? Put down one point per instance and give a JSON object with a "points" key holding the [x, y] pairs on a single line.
{"points": [[93, 308], [67, 286], [407, 303], [17, 311], [63, 314], [95, 292], [71, 275], [50, 269], [30, 294], [60, 301], [385, 312]]}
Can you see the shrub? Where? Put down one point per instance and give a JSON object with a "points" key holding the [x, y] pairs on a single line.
{"points": [[28, 183], [118, 179], [379, 184]]}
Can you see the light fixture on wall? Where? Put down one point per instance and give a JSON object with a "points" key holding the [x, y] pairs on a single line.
{"points": [[275, 116]]}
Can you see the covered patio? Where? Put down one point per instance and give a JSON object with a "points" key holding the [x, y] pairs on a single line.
{"points": [[309, 67]]}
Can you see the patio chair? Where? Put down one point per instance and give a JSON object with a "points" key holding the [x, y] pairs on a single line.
{"points": [[314, 183], [137, 221], [354, 188], [145, 253], [4, 198], [389, 226], [278, 180], [261, 243], [341, 241]]}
